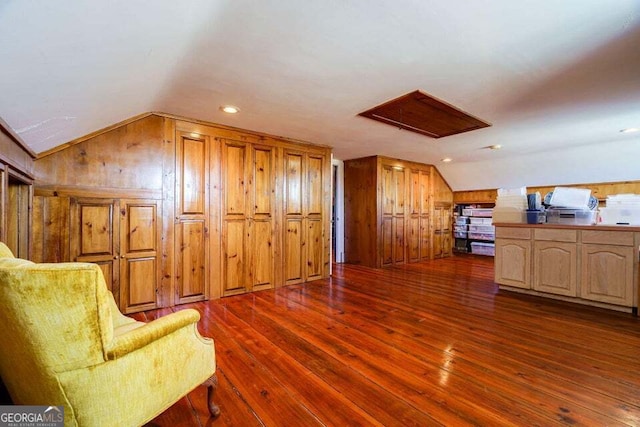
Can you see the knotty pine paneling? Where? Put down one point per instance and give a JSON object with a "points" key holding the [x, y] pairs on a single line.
{"points": [[128, 157], [600, 190]]}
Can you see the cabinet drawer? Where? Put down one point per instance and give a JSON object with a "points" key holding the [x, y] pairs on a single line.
{"points": [[513, 233], [620, 238], [556, 235]]}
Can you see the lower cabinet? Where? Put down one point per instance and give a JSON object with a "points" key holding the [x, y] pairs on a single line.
{"points": [[122, 236], [591, 265], [513, 263], [608, 274], [555, 268]]}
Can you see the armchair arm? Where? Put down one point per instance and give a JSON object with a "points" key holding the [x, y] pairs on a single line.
{"points": [[139, 337]]}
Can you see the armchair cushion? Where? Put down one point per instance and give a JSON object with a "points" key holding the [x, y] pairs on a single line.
{"points": [[64, 342]]}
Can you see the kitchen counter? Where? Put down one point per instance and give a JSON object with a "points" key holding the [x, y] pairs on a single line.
{"points": [[587, 264]]}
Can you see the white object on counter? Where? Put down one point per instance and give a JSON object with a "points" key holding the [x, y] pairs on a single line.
{"points": [[576, 198]]}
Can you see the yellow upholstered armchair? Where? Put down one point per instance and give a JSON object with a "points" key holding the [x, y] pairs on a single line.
{"points": [[63, 341]]}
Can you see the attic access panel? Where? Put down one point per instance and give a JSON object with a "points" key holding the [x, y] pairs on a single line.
{"points": [[424, 114]]}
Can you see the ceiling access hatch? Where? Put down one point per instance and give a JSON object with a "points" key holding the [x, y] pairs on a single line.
{"points": [[424, 114]]}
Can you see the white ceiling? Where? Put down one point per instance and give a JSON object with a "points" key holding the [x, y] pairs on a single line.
{"points": [[557, 79]]}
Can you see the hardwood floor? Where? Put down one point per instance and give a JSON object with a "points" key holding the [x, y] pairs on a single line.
{"points": [[424, 344]]}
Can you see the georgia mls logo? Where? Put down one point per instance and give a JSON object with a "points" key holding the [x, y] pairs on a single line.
{"points": [[31, 416]]}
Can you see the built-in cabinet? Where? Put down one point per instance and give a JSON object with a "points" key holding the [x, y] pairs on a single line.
{"points": [[594, 265], [123, 237], [442, 246], [192, 217], [177, 211], [305, 175], [395, 212], [248, 216]]}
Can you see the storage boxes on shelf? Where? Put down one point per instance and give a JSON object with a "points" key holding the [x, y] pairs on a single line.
{"points": [[462, 220], [481, 236], [481, 212], [485, 221], [482, 228], [480, 248], [474, 222], [461, 245], [571, 216]]}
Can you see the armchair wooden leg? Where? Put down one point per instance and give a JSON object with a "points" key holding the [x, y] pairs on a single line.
{"points": [[212, 385]]}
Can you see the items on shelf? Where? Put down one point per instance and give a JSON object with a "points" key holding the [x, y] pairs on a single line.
{"points": [[473, 224], [571, 206], [621, 209], [511, 205]]}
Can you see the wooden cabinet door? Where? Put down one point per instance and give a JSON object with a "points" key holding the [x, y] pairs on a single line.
{"points": [[294, 239], [607, 274], [192, 218], [304, 216], [395, 200], [414, 238], [314, 217], [555, 268], [425, 238], [191, 261], [235, 217], [425, 230], [262, 226], [512, 263], [94, 237], [386, 241], [139, 254]]}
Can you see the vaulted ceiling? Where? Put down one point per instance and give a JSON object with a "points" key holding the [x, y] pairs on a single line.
{"points": [[557, 80]]}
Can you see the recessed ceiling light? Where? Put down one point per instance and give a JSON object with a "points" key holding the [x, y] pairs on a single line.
{"points": [[495, 147], [446, 159], [629, 130], [229, 109]]}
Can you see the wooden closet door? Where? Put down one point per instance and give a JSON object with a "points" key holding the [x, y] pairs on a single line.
{"points": [[94, 237], [425, 229], [393, 218], [262, 223], [294, 239], [313, 216], [192, 217], [236, 214], [413, 226], [139, 254]]}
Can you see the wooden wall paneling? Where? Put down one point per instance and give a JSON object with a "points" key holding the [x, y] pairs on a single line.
{"points": [[14, 152], [600, 190], [425, 214], [3, 202], [166, 282], [413, 228], [140, 255], [127, 157], [18, 218], [192, 217], [50, 229], [361, 208], [215, 218]]}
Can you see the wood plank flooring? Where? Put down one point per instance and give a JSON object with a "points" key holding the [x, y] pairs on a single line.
{"points": [[433, 343]]}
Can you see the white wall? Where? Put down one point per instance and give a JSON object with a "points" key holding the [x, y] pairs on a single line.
{"points": [[608, 162]]}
